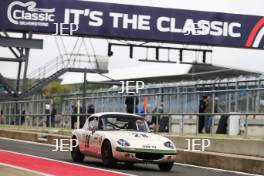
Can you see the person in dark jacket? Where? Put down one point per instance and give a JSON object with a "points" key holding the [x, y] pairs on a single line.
{"points": [[131, 103], [23, 118], [2, 117], [73, 117], [222, 125], [53, 114], [50, 122], [47, 112], [91, 109], [208, 118], [82, 117], [202, 106]]}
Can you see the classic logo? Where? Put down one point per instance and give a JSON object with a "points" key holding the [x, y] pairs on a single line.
{"points": [[28, 14], [256, 36]]}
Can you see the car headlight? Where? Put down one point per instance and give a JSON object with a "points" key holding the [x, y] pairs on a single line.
{"points": [[169, 144], [123, 143]]}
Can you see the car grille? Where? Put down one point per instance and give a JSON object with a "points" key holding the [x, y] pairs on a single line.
{"points": [[149, 156]]}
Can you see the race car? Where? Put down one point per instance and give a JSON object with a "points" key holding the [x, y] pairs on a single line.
{"points": [[121, 137]]}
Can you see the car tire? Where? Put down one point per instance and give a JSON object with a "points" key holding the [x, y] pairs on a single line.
{"points": [[107, 155], [76, 154], [165, 166]]}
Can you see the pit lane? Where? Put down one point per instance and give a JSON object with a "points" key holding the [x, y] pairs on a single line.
{"points": [[138, 169]]}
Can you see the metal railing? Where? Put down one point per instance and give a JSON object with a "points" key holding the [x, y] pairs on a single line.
{"points": [[180, 124], [170, 122], [80, 61], [243, 98]]}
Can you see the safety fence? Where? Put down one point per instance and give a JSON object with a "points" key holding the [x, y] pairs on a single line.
{"points": [[237, 107], [40, 113]]}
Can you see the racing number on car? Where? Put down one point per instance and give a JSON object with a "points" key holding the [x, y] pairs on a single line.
{"points": [[138, 135], [87, 141]]}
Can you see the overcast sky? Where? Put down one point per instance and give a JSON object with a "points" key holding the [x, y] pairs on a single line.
{"points": [[249, 59]]}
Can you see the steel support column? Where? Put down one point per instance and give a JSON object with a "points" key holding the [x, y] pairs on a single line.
{"points": [[26, 58], [84, 91]]}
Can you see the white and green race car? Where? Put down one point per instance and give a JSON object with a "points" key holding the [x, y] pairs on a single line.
{"points": [[115, 137]]}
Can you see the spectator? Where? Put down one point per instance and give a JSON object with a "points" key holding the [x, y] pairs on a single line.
{"points": [[202, 106], [155, 121], [2, 117], [53, 114], [91, 109], [222, 125], [131, 103], [82, 117], [148, 117], [23, 117], [208, 118], [140, 110], [47, 112], [17, 117], [73, 117], [51, 118]]}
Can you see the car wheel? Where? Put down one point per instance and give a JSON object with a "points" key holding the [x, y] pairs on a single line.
{"points": [[76, 154], [166, 166], [107, 155]]}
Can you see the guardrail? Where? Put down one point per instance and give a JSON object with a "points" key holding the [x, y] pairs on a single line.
{"points": [[179, 121], [182, 118]]}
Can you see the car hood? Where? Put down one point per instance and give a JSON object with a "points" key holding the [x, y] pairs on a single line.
{"points": [[138, 139]]}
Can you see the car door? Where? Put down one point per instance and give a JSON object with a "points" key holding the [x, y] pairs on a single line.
{"points": [[91, 137], [85, 138], [94, 147]]}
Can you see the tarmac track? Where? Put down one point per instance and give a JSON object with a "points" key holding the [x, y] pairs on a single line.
{"points": [[137, 169]]}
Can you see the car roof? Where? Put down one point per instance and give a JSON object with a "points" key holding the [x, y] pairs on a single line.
{"points": [[116, 113]]}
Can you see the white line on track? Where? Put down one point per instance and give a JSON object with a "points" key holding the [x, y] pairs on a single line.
{"points": [[24, 169], [30, 142], [215, 169], [179, 164], [105, 170]]}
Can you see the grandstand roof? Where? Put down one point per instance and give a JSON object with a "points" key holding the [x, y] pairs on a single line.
{"points": [[158, 73]]}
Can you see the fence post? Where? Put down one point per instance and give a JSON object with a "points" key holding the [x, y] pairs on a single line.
{"points": [[43, 117], [170, 124], [236, 97], [78, 112], [197, 124], [20, 114], [213, 111], [182, 125], [246, 127], [157, 123], [9, 114], [50, 112], [212, 126], [38, 112], [197, 116]]}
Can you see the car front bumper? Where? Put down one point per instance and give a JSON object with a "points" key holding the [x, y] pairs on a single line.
{"points": [[144, 155]]}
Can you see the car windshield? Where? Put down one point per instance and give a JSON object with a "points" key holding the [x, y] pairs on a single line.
{"points": [[124, 122]]}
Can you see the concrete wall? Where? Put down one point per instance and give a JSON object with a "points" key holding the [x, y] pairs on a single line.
{"points": [[247, 147], [222, 161]]}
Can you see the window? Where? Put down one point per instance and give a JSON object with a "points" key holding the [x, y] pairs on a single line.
{"points": [[124, 122]]}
